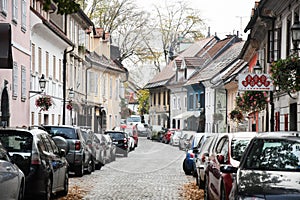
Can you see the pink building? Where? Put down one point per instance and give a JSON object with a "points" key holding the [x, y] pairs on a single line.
{"points": [[15, 82]]}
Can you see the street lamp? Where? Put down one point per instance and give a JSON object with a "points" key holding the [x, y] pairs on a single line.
{"points": [[42, 83], [257, 68], [295, 29]]}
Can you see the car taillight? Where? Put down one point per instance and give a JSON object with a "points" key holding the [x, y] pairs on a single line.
{"points": [[125, 140], [35, 159], [77, 145], [203, 158], [192, 155]]}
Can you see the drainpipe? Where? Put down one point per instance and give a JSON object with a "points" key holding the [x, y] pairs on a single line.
{"points": [[64, 83], [86, 92]]}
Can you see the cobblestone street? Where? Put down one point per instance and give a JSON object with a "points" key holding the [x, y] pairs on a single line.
{"points": [[152, 171]]}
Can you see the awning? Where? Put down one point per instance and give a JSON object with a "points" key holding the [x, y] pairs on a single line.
{"points": [[187, 114]]}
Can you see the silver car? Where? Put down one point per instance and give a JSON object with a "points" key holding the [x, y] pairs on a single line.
{"points": [[12, 180]]}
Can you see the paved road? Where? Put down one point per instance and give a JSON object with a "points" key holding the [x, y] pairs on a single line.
{"points": [[152, 171]]}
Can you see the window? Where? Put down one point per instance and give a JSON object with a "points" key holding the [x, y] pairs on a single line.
{"points": [[54, 67], [47, 64], [274, 39], [3, 7], [24, 15], [23, 82], [33, 57], [32, 118], [191, 101], [15, 11], [178, 103], [117, 89], [110, 88], [59, 70], [15, 80], [40, 60]]}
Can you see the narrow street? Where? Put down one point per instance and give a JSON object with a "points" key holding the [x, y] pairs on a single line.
{"points": [[152, 171]]}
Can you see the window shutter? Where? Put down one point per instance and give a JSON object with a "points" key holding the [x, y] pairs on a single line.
{"points": [[15, 80]]}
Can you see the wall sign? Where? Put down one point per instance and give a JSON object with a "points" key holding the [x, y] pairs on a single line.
{"points": [[256, 82]]}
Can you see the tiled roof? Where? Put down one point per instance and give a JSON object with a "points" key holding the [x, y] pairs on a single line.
{"points": [[225, 59], [168, 72], [103, 62], [193, 62]]}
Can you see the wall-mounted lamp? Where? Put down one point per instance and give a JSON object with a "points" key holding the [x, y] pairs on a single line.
{"points": [[98, 111], [71, 93], [295, 29], [42, 83], [257, 69]]}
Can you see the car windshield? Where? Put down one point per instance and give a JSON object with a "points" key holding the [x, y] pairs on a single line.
{"points": [[14, 141], [238, 147], [177, 134], [116, 135], [65, 132], [133, 119], [274, 154]]}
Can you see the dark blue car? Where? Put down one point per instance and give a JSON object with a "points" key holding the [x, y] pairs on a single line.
{"points": [[188, 164]]}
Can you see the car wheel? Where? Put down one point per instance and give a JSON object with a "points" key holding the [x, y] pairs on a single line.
{"points": [[126, 153], [66, 185], [90, 167], [79, 171], [196, 177], [201, 183], [21, 191], [48, 190], [206, 188], [186, 171]]}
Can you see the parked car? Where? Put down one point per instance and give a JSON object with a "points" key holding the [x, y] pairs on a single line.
{"points": [[202, 151], [184, 141], [40, 159], [188, 164], [269, 168], [228, 150], [144, 130], [174, 140], [88, 136], [100, 148], [120, 139], [167, 136], [154, 131], [78, 156], [12, 179], [132, 132], [110, 153]]}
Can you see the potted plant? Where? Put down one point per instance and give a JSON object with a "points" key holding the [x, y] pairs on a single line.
{"points": [[285, 74], [236, 115], [44, 102]]}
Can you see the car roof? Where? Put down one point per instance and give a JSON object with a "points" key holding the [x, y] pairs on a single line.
{"points": [[32, 131], [279, 135]]}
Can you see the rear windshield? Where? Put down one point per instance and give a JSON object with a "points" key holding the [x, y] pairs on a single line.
{"points": [[116, 135], [16, 141], [238, 147], [65, 132], [274, 154]]}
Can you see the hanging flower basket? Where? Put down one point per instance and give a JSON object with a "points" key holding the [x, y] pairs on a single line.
{"points": [[236, 115], [285, 74], [44, 102], [252, 101], [69, 105]]}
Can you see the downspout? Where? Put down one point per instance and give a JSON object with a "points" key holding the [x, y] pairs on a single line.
{"points": [[64, 82], [86, 91]]}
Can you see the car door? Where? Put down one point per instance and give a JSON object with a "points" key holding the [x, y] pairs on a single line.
{"points": [[219, 157], [53, 161], [8, 177]]}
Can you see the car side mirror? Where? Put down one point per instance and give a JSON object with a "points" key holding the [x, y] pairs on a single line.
{"points": [[220, 158], [62, 153], [228, 169], [195, 150]]}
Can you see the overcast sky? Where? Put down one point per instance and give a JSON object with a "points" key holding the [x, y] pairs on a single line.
{"points": [[222, 16]]}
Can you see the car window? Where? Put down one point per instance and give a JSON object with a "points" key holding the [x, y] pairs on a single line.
{"points": [[238, 147], [14, 141], [47, 143], [274, 154], [116, 135], [65, 132]]}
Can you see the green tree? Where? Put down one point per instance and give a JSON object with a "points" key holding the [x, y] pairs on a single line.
{"points": [[62, 6], [143, 99]]}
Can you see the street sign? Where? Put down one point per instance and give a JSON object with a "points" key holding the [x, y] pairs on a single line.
{"points": [[255, 82]]}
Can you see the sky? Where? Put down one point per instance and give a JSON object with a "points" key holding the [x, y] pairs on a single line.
{"points": [[222, 16]]}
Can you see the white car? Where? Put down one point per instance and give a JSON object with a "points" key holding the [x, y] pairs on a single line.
{"points": [[174, 140], [130, 141]]}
